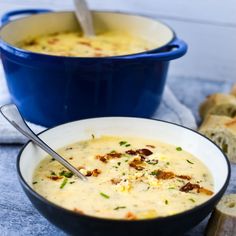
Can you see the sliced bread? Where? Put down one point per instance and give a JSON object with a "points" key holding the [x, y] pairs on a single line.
{"points": [[222, 131], [218, 104], [233, 90], [223, 218]]}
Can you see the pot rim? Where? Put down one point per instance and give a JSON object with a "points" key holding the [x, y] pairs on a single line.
{"points": [[194, 210], [21, 52]]}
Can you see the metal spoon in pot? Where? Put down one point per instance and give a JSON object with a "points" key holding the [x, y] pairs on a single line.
{"points": [[12, 114], [84, 17]]}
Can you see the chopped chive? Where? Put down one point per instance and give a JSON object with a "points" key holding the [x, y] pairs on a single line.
{"points": [[123, 173], [171, 188], [104, 195], [122, 143], [191, 199], [119, 207], [166, 202], [66, 174], [93, 136], [128, 145], [64, 183], [148, 188], [52, 172], [113, 151], [53, 159], [72, 182], [179, 149], [189, 161], [155, 172], [35, 182], [167, 163], [126, 160], [118, 163], [152, 162]]}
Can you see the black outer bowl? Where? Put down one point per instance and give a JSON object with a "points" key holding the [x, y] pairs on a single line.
{"points": [[78, 224]]}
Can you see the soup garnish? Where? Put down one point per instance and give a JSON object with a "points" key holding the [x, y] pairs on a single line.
{"points": [[73, 44], [128, 178]]}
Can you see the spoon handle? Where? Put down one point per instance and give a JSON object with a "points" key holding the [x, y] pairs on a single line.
{"points": [[12, 114], [84, 17]]}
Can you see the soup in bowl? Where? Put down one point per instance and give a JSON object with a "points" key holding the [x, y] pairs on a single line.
{"points": [[148, 174]]}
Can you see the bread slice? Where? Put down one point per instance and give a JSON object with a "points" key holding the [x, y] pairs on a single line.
{"points": [[218, 104], [233, 90], [222, 131], [223, 218]]}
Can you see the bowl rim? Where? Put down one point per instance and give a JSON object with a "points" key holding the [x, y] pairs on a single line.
{"points": [[11, 47], [197, 208]]}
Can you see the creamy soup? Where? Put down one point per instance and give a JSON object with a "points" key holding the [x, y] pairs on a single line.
{"points": [[128, 178], [110, 43]]}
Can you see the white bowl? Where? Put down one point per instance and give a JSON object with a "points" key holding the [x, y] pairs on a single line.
{"points": [[189, 140]]}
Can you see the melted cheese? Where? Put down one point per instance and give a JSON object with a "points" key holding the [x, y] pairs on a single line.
{"points": [[111, 43], [129, 178]]}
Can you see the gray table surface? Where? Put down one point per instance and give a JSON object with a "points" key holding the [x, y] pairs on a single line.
{"points": [[208, 26]]}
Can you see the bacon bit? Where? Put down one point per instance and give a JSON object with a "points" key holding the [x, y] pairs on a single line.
{"points": [[130, 216], [188, 187], [114, 155], [142, 158], [205, 191], [108, 156], [78, 211], [144, 151], [151, 146], [85, 43], [96, 172], [98, 54], [89, 173], [137, 163], [183, 177], [115, 181], [54, 177], [136, 167], [71, 158], [102, 158], [31, 42], [53, 40], [131, 152], [164, 174]]}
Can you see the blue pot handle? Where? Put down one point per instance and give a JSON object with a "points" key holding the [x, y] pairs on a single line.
{"points": [[177, 48], [7, 16]]}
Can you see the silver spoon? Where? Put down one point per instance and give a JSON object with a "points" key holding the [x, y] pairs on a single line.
{"points": [[12, 114], [84, 17]]}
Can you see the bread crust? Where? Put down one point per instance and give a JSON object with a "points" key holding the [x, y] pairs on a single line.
{"points": [[223, 218], [233, 90], [222, 131], [218, 104]]}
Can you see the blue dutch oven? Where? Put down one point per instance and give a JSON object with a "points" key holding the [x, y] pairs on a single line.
{"points": [[51, 90]]}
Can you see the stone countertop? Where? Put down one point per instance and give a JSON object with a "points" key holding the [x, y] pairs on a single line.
{"points": [[19, 217]]}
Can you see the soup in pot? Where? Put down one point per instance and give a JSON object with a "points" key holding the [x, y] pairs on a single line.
{"points": [[110, 43], [128, 178]]}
